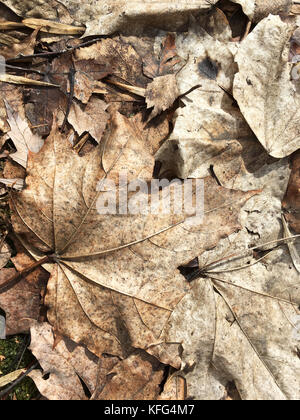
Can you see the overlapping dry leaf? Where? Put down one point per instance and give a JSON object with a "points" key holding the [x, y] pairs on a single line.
{"points": [[136, 378], [92, 119], [23, 302], [267, 97], [209, 130], [115, 285], [65, 363], [23, 138]]}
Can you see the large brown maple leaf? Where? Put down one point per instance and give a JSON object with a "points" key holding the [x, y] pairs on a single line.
{"points": [[115, 280]]}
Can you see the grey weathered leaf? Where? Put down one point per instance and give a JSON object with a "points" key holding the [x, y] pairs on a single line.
{"points": [[267, 97]]}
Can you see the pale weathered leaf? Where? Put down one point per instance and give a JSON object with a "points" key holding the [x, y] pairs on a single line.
{"points": [[293, 251], [23, 138], [267, 97], [65, 362], [209, 130]]}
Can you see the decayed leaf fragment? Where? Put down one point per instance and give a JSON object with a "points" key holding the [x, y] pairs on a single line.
{"points": [[116, 281], [22, 302], [92, 119], [161, 93], [136, 378], [267, 97], [5, 253], [26, 47]]}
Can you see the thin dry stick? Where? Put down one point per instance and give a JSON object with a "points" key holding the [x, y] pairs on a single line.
{"points": [[17, 381], [18, 276]]}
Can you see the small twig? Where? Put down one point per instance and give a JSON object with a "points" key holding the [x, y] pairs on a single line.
{"points": [[18, 276], [78, 147], [71, 96], [17, 381], [25, 70]]}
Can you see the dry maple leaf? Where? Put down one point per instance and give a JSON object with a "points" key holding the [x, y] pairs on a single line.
{"points": [[115, 281]]}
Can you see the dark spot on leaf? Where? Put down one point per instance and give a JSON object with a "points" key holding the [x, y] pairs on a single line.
{"points": [[208, 68]]}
